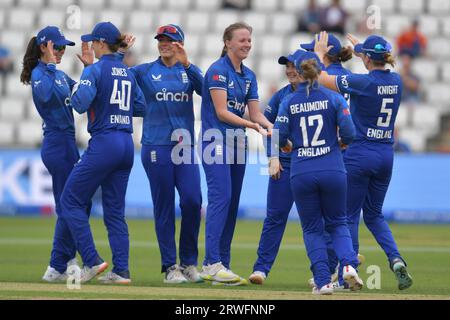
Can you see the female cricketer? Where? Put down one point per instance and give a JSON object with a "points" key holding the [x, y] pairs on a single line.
{"points": [[229, 89], [168, 84], [310, 117], [108, 92], [279, 195], [374, 100], [333, 65], [51, 89]]}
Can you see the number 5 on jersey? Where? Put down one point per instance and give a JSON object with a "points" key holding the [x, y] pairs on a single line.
{"points": [[121, 97]]}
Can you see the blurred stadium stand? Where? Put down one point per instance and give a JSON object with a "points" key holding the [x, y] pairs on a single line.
{"points": [[426, 127]]}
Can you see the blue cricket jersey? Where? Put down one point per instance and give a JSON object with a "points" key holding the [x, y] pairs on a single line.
{"points": [[240, 87], [109, 93], [336, 69], [311, 121], [374, 102], [270, 113], [51, 89], [168, 92]]}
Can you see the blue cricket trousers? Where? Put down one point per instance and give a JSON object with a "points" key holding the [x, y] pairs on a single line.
{"points": [[320, 198], [224, 181], [59, 154], [107, 163], [369, 171], [279, 204], [164, 176]]}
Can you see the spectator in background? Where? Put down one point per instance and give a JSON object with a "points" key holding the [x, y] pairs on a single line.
{"points": [[412, 41], [309, 21], [411, 82], [6, 66], [237, 4], [334, 18]]}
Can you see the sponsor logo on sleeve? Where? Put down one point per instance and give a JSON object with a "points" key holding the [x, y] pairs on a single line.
{"points": [[219, 77]]}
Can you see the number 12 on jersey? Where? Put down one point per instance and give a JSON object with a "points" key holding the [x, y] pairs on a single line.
{"points": [[121, 97], [315, 142]]}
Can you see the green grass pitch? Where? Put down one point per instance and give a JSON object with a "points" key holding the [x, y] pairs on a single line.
{"points": [[25, 245]]}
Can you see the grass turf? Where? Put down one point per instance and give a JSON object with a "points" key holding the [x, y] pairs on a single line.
{"points": [[25, 245]]}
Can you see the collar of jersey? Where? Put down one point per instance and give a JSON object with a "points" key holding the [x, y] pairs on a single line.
{"points": [[159, 60], [380, 71], [230, 64], [111, 56]]}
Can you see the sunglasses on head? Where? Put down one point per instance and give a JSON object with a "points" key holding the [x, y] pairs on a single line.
{"points": [[167, 29], [380, 48]]}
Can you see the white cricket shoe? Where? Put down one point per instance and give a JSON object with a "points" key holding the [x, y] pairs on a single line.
{"points": [[257, 277], [338, 288], [114, 278], [311, 283], [52, 275], [174, 275], [325, 290], [191, 273], [88, 273], [217, 272], [352, 279]]}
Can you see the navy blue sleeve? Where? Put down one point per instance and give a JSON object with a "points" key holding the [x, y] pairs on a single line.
{"points": [[71, 82], [271, 110], [43, 87], [355, 84], [85, 90], [281, 128], [195, 75], [347, 129]]}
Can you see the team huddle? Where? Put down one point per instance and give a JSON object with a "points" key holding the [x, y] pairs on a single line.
{"points": [[329, 143]]}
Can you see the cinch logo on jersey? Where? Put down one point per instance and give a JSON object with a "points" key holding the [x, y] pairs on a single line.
{"points": [[313, 152], [164, 95], [85, 83], [309, 106], [379, 134], [282, 119], [219, 77], [121, 72], [344, 82], [236, 106]]}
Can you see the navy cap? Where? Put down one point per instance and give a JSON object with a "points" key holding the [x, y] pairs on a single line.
{"points": [[307, 55], [172, 31], [332, 41], [375, 47], [54, 34], [103, 31], [290, 58]]}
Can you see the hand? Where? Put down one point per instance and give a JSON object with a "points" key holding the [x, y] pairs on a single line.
{"points": [[180, 54], [269, 130], [87, 54], [321, 47], [49, 53], [275, 168], [342, 145], [287, 148], [129, 40], [354, 42], [352, 39]]}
